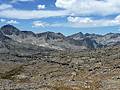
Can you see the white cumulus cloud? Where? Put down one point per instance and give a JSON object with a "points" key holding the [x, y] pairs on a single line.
{"points": [[12, 22], [2, 20], [41, 6], [80, 20], [90, 7], [88, 22], [40, 24]]}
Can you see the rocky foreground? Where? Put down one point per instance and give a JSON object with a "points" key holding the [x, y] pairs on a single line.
{"points": [[97, 69]]}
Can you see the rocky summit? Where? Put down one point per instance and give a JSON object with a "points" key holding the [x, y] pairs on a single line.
{"points": [[53, 61]]}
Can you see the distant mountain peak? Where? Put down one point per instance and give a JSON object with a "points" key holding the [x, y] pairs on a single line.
{"points": [[8, 26], [77, 36], [9, 29]]}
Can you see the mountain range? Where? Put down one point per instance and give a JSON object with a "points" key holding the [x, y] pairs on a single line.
{"points": [[10, 36]]}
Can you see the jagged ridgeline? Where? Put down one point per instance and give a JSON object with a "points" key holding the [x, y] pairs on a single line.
{"points": [[78, 41], [58, 41]]}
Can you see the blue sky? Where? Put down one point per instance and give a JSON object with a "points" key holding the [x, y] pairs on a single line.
{"points": [[65, 16]]}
